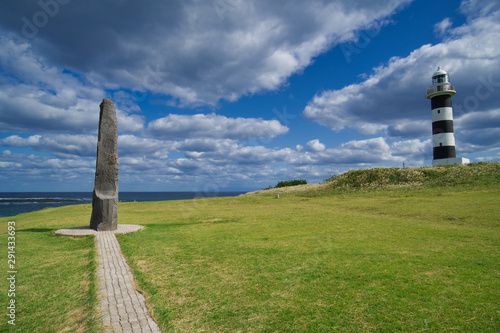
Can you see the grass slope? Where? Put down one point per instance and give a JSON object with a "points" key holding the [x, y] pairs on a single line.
{"points": [[56, 276], [414, 179], [441, 176], [408, 255]]}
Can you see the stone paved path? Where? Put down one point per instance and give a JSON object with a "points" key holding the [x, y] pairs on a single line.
{"points": [[123, 307]]}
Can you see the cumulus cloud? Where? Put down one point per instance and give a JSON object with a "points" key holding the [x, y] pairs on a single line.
{"points": [[358, 152], [23, 170], [80, 145], [368, 152], [315, 145], [411, 129], [35, 96], [191, 53], [176, 126], [355, 152], [205, 145], [60, 144], [209, 161], [131, 145], [392, 99], [176, 48], [9, 165]]}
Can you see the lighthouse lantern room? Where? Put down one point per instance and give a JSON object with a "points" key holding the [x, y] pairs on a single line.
{"points": [[443, 137]]}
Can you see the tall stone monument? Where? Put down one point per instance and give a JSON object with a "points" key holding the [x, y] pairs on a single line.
{"points": [[105, 198]]}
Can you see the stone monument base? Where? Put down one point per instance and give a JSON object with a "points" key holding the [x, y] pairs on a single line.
{"points": [[104, 213]]}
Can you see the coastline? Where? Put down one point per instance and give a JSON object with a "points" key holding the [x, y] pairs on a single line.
{"points": [[14, 203], [39, 200]]}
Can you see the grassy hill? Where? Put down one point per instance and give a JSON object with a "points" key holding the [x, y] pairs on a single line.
{"points": [[381, 179], [379, 250], [470, 174]]}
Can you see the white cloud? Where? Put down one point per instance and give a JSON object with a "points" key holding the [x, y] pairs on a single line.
{"points": [[364, 152], [5, 165], [477, 131], [442, 27], [207, 162], [492, 158], [79, 145], [131, 145], [368, 151], [35, 96], [477, 8], [176, 126], [188, 49], [315, 145], [392, 99], [414, 151], [24, 170], [64, 144], [411, 129], [204, 145], [478, 120], [356, 152]]}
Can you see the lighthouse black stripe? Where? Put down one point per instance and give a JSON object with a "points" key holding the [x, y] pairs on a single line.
{"points": [[442, 126], [444, 152], [441, 101]]}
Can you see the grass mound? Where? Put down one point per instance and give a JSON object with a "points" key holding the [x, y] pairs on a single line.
{"points": [[376, 178], [380, 179]]}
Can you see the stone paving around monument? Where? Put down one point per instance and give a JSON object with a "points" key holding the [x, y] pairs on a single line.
{"points": [[123, 307], [84, 231]]}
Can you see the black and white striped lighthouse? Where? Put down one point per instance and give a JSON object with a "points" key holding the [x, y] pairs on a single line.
{"points": [[443, 136]]}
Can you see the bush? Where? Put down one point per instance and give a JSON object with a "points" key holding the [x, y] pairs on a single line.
{"points": [[294, 182]]}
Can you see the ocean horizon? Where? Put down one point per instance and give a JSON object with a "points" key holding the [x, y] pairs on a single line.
{"points": [[14, 203]]}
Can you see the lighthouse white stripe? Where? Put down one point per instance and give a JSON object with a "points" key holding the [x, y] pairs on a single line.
{"points": [[444, 113], [443, 139]]}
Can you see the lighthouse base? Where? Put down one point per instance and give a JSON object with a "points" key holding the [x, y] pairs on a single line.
{"points": [[451, 161]]}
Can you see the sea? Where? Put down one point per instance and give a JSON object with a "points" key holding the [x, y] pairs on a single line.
{"points": [[13, 203]]}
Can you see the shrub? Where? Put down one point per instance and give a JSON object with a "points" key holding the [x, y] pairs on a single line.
{"points": [[294, 182]]}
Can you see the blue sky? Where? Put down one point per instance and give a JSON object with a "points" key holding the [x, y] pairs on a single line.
{"points": [[237, 95]]}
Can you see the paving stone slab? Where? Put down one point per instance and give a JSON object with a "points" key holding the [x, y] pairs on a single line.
{"points": [[121, 304], [86, 230]]}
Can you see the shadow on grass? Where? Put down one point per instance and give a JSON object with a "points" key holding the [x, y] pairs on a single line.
{"points": [[35, 230]]}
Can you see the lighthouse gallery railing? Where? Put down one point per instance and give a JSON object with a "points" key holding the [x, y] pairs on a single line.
{"points": [[439, 88]]}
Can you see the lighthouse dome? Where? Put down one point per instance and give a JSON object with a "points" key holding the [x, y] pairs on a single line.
{"points": [[439, 71], [440, 76]]}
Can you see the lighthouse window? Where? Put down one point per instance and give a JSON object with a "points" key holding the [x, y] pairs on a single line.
{"points": [[439, 111], [439, 79], [440, 144]]}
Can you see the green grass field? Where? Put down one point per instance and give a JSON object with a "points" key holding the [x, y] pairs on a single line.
{"points": [[56, 276], [398, 258]]}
